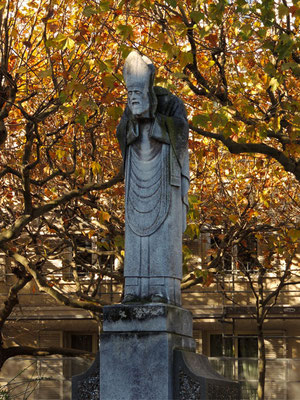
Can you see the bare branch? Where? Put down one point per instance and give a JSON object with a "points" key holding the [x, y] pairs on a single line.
{"points": [[289, 164], [25, 219]]}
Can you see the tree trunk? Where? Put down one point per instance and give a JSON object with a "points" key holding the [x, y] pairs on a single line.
{"points": [[261, 363]]}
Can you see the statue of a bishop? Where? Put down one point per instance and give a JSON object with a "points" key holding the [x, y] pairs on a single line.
{"points": [[153, 137]]}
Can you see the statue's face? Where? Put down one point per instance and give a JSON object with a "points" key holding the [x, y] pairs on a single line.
{"points": [[138, 102]]}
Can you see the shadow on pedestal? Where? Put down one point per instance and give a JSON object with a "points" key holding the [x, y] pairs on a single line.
{"points": [[86, 386], [147, 352], [195, 379]]}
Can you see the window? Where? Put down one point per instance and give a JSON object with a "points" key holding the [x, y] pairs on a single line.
{"points": [[235, 357], [246, 254], [81, 341], [242, 256], [226, 260], [83, 257], [221, 345], [86, 258]]}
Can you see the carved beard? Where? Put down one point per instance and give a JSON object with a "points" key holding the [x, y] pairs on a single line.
{"points": [[139, 104]]}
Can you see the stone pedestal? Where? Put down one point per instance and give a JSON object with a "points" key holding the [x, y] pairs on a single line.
{"points": [[194, 378], [137, 349], [147, 352]]}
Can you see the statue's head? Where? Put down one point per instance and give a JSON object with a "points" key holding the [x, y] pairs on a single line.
{"points": [[139, 76]]}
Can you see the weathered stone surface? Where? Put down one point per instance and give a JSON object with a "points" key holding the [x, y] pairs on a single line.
{"points": [[153, 136], [151, 317], [136, 350], [147, 353], [86, 386], [195, 378]]}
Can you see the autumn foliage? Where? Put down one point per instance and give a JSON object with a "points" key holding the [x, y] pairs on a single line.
{"points": [[235, 65]]}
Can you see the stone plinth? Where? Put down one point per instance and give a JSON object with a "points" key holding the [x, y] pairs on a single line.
{"points": [[86, 386], [195, 378], [137, 347], [153, 317], [147, 352]]}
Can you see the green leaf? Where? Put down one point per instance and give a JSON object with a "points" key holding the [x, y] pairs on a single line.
{"points": [[193, 231], [81, 118], [172, 3], [216, 11], [270, 69], [246, 31], [283, 10], [119, 241], [170, 50], [79, 87], [180, 75], [288, 65], [60, 38], [102, 66], [63, 97], [115, 112], [125, 50], [284, 47], [201, 119], [108, 81], [89, 11], [45, 74], [294, 234], [263, 132], [125, 31], [193, 199], [58, 42], [185, 58], [197, 16], [22, 70], [104, 6]]}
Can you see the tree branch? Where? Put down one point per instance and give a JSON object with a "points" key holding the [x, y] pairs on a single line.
{"points": [[43, 285], [289, 164], [20, 223], [12, 297], [13, 351]]}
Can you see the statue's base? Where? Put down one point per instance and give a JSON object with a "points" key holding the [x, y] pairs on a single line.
{"points": [[195, 378], [147, 352], [136, 350]]}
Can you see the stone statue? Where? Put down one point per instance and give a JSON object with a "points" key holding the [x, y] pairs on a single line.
{"points": [[153, 137]]}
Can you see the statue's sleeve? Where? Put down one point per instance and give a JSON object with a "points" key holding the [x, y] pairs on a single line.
{"points": [[176, 123]]}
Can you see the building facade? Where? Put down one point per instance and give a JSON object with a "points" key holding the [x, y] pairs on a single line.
{"points": [[225, 329]]}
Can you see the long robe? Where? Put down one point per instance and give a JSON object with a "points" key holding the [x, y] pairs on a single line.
{"points": [[156, 184]]}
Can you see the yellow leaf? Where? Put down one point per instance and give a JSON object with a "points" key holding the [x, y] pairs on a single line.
{"points": [[60, 153], [69, 44], [96, 167], [91, 233], [103, 216], [294, 234], [233, 218]]}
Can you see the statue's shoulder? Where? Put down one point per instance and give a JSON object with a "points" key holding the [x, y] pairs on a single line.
{"points": [[168, 103], [160, 91], [164, 94]]}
